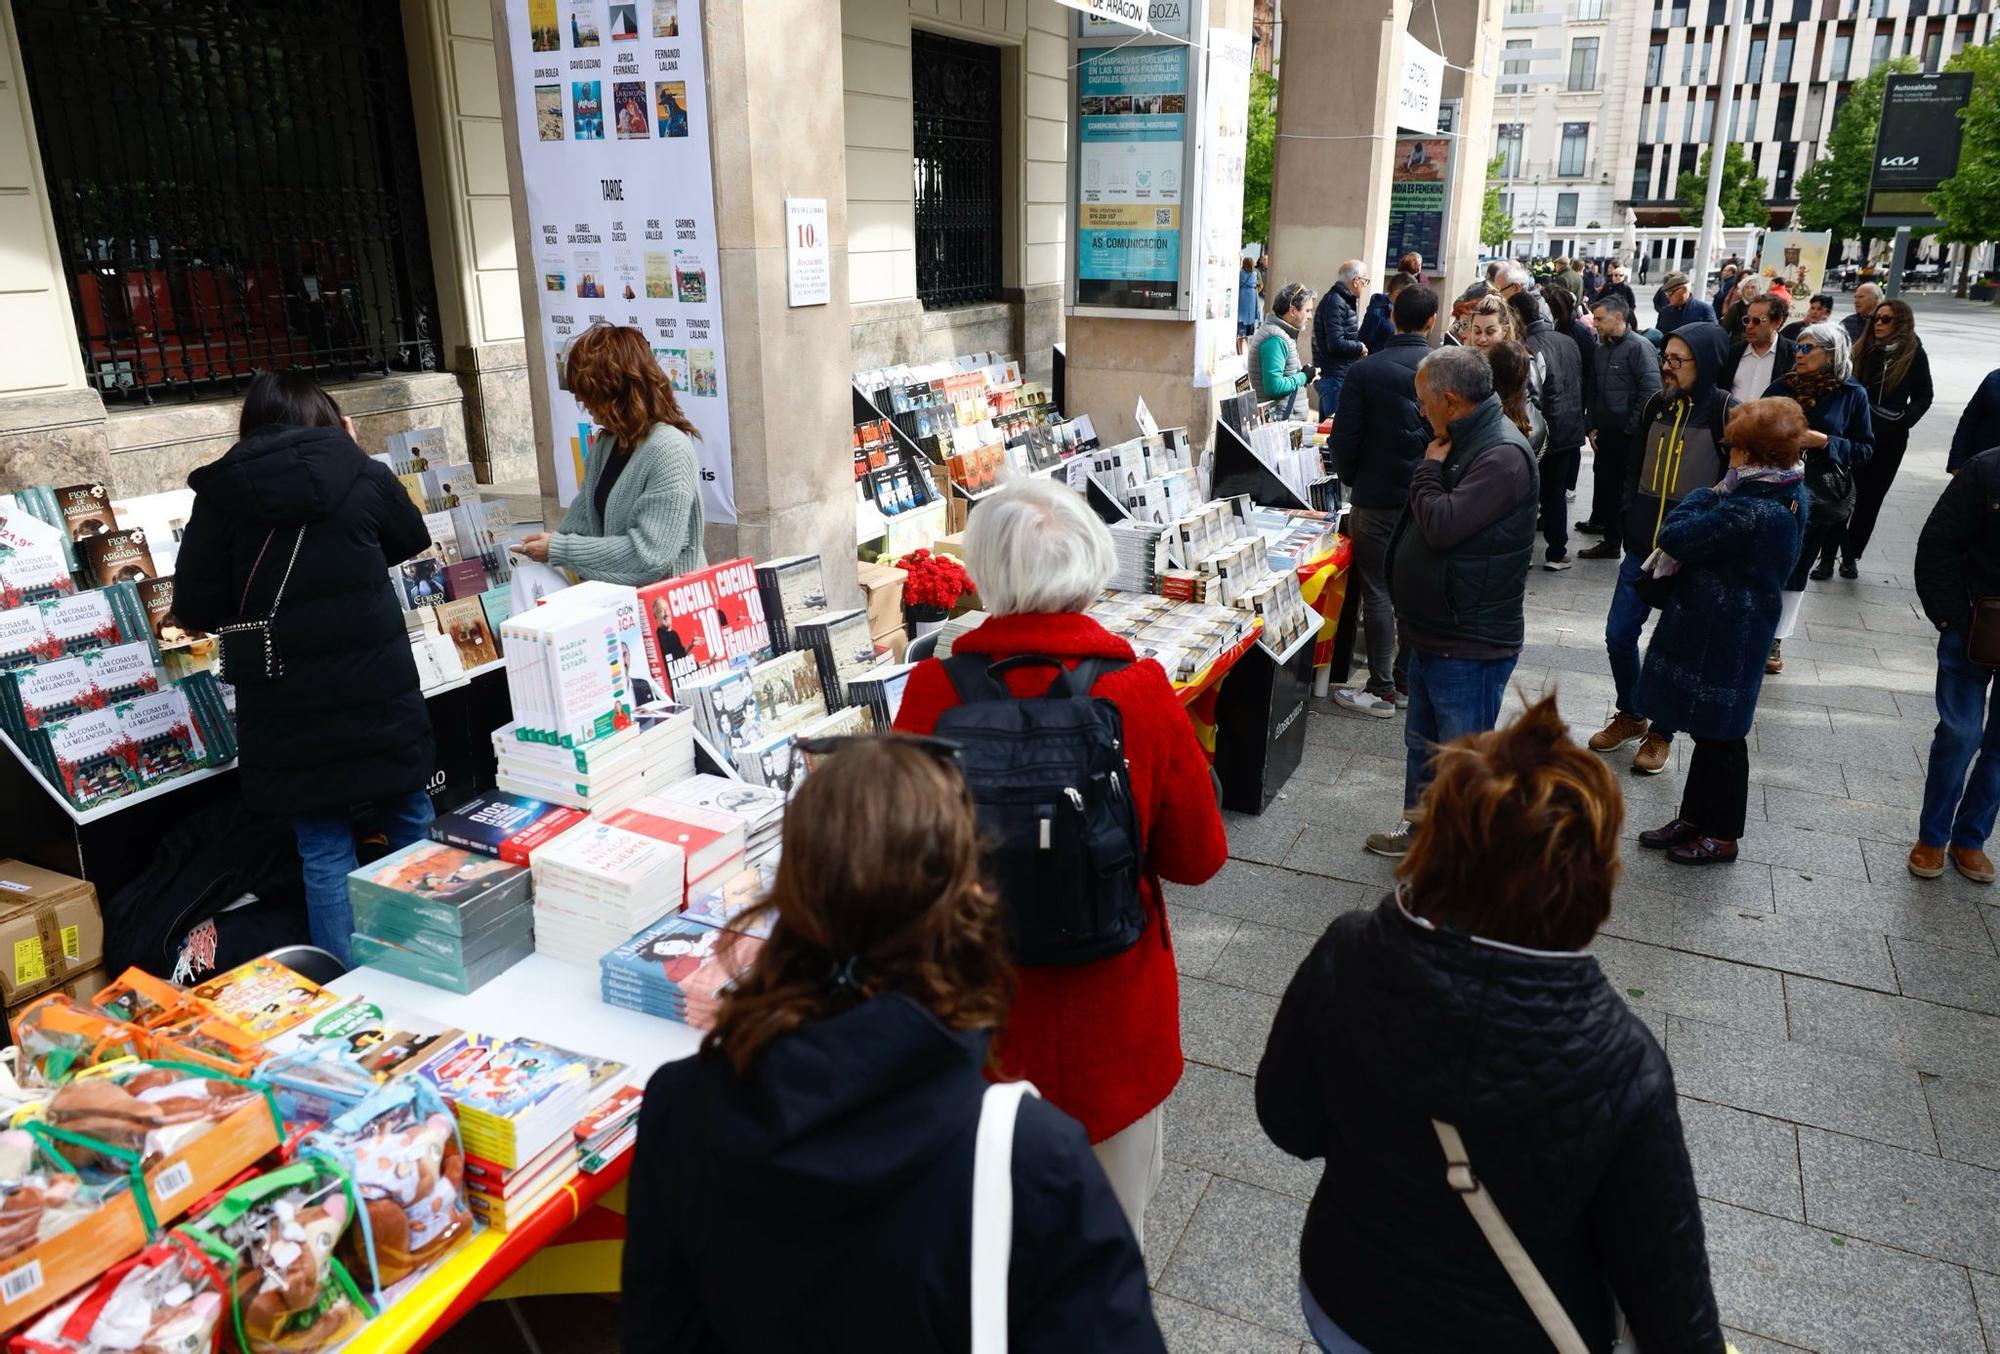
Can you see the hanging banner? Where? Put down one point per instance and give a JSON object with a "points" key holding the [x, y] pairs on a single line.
{"points": [[1422, 86], [1418, 193], [611, 107], [1226, 112], [1124, 17]]}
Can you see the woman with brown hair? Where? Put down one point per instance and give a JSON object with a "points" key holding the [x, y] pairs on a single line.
{"points": [[1892, 366], [636, 518], [1513, 381], [1459, 1020], [828, 1131]]}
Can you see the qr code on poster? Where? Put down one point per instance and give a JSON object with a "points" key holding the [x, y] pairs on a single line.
{"points": [[1163, 216]]}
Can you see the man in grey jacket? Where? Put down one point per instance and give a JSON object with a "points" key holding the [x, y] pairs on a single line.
{"points": [[1628, 374]]}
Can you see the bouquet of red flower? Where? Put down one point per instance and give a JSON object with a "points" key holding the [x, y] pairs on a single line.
{"points": [[934, 585]]}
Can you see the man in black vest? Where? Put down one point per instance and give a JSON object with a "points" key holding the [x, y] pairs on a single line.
{"points": [[1458, 567]]}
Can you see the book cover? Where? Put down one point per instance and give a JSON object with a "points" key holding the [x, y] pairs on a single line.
{"points": [[165, 737], [726, 709], [648, 682], [705, 837], [90, 757], [508, 826], [794, 591], [81, 622], [157, 596], [121, 672], [464, 623], [414, 449], [25, 640], [682, 959], [609, 1116], [588, 689], [464, 580], [383, 1039], [47, 693], [441, 492], [497, 603], [419, 581], [263, 997], [788, 692], [724, 905], [34, 560], [845, 650], [621, 858], [86, 510], [772, 764], [754, 804], [705, 621], [434, 874], [444, 537], [117, 557]]}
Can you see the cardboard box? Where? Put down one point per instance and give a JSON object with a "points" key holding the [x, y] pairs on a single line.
{"points": [[882, 585], [50, 931], [79, 989]]}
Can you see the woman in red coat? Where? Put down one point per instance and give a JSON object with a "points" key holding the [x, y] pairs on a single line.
{"points": [[1102, 1040]]}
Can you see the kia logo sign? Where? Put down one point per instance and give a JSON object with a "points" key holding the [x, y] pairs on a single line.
{"points": [[1901, 161]]}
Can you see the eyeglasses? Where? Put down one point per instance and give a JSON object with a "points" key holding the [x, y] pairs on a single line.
{"points": [[944, 750], [1675, 362], [1804, 347], [1886, 317]]}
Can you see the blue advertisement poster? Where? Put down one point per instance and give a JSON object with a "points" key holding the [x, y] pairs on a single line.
{"points": [[1131, 152]]}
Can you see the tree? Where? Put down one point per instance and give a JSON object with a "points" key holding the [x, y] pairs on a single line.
{"points": [[1969, 201], [1257, 157], [1496, 225], [1834, 189], [1743, 193]]}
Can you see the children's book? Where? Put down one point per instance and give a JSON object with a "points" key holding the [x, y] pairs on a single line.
{"points": [[263, 997]]}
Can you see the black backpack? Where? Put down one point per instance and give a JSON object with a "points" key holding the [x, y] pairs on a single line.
{"points": [[1054, 795]]}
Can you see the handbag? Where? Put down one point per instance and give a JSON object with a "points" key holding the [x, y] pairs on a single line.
{"points": [[1982, 638], [1831, 486], [993, 1212], [247, 647]]}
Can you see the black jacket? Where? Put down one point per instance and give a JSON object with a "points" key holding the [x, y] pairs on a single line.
{"points": [[1787, 356], [1958, 553], [1628, 374], [1623, 289], [1378, 325], [1336, 340], [1562, 364], [1896, 412], [1979, 426], [1566, 1105], [825, 1202], [346, 722], [1379, 434]]}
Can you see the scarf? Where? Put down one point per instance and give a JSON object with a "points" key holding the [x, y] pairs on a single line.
{"points": [[1808, 388], [1662, 565]]}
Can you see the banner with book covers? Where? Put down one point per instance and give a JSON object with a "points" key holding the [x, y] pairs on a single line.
{"points": [[611, 105]]}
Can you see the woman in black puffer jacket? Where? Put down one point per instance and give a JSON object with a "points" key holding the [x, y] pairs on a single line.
{"points": [[1465, 1000]]}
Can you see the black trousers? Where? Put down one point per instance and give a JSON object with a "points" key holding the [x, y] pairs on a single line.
{"points": [[1818, 539], [1555, 472], [1607, 484], [1716, 797], [1871, 486]]}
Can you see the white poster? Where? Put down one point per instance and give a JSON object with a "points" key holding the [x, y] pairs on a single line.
{"points": [[1422, 87], [612, 108], [808, 264], [1225, 144]]}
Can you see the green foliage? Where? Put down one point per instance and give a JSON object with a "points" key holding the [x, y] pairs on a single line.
{"points": [[1743, 193], [1833, 191], [1969, 202], [1496, 226], [1263, 142]]}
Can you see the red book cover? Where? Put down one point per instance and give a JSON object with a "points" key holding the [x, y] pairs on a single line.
{"points": [[694, 839], [705, 621], [467, 578]]}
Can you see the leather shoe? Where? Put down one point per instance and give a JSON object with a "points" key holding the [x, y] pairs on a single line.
{"points": [[1703, 851], [1850, 569], [1973, 863], [1821, 571], [1590, 529], [1673, 834], [1602, 550]]}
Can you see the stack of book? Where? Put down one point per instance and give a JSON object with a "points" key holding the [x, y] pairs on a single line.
{"points": [[845, 650], [881, 693], [710, 840], [794, 592], [677, 970], [608, 1131], [599, 883], [441, 915], [571, 665], [607, 773], [499, 823], [1137, 547], [761, 809], [751, 717], [963, 623]]}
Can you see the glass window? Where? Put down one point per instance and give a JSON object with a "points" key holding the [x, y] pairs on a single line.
{"points": [[1707, 44], [1566, 209], [1507, 204], [1520, 6], [1660, 125], [1788, 108], [1843, 51], [957, 119], [1589, 11], [1707, 117], [1687, 117], [1642, 174], [1743, 113], [1781, 66], [1878, 51], [1583, 63], [1933, 50], [1575, 150], [1878, 9], [1508, 137], [1656, 56], [1517, 65], [1788, 158], [1687, 60], [1909, 39], [1753, 65]]}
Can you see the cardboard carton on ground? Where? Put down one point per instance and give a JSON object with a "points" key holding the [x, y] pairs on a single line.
{"points": [[50, 931]]}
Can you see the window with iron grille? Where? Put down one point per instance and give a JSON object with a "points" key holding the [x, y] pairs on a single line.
{"points": [[956, 93], [233, 188]]}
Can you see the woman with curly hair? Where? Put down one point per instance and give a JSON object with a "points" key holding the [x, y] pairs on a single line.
{"points": [[828, 1130], [1892, 366]]}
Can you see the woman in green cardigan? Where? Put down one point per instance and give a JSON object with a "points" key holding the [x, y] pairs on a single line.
{"points": [[637, 518]]}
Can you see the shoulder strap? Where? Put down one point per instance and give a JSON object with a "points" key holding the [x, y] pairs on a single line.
{"points": [[1507, 1247], [993, 1213], [977, 680]]}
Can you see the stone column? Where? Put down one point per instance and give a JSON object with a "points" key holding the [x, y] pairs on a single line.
{"points": [[1470, 32]]}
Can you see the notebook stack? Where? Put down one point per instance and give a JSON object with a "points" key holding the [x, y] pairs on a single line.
{"points": [[598, 884], [606, 774], [677, 970], [441, 915], [506, 825]]}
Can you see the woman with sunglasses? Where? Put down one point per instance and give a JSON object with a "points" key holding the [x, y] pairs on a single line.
{"points": [[1102, 1040], [1840, 442], [1890, 362], [826, 1132]]}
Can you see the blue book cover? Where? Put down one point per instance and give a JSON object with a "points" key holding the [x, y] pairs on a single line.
{"points": [[509, 826]]}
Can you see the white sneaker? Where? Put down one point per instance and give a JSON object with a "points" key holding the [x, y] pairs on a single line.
{"points": [[1362, 702]]}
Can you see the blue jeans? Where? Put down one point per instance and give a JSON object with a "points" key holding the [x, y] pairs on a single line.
{"points": [[1448, 697], [326, 847], [1329, 392], [1325, 1333], [1957, 811], [1621, 635]]}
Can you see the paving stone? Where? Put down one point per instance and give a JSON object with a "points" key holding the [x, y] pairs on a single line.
{"points": [[1227, 1260], [1262, 958], [1212, 1125], [1875, 677], [1837, 1295], [1880, 787], [1792, 944], [1812, 718], [1967, 1116], [1986, 1290], [1199, 936], [1743, 1159], [1747, 883], [1908, 907], [1799, 849], [1642, 914], [1839, 814], [1319, 764], [1948, 977], [1889, 863], [1263, 837], [1899, 620], [1695, 986], [1756, 1344], [1790, 690], [1798, 773], [1275, 897], [1944, 1209], [1339, 851], [1916, 1034], [1358, 733], [1224, 1026], [1197, 1330], [1827, 1088], [1168, 1211]]}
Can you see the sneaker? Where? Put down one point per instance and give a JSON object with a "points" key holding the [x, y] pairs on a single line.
{"points": [[1588, 529], [1395, 843], [1774, 663], [1926, 862], [1602, 550], [1622, 729], [1821, 571], [1558, 561], [1401, 700], [1971, 862], [1653, 755], [1364, 703], [1850, 568], [1703, 851]]}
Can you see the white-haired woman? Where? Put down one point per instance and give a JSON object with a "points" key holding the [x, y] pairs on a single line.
{"points": [[1100, 1040], [1841, 440]]}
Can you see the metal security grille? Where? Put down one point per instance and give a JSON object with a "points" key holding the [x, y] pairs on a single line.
{"points": [[957, 123], [235, 185]]}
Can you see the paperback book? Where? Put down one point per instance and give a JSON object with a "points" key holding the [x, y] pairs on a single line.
{"points": [[705, 621], [117, 557], [34, 559], [794, 592], [263, 997], [165, 735], [383, 1039], [464, 623], [509, 826], [513, 1096], [86, 510], [845, 651], [788, 692], [156, 595], [438, 881]]}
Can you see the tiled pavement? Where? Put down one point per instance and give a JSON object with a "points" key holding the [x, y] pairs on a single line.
{"points": [[1834, 1024]]}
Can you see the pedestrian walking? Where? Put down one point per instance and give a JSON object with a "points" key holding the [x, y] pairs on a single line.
{"points": [[1891, 364], [1626, 376], [1724, 555], [1458, 1037], [1958, 585], [1276, 373], [1560, 365], [1679, 451], [1459, 566], [1867, 297], [1839, 443], [839, 1111], [1979, 426], [1246, 303], [1379, 436], [1336, 332]]}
